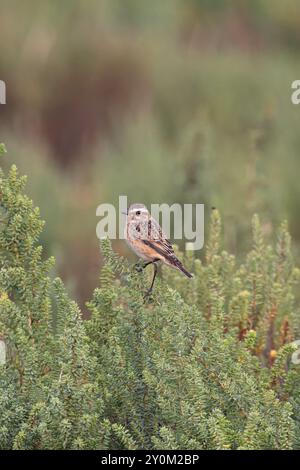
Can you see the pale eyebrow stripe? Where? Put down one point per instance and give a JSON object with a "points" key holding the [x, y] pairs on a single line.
{"points": [[139, 209]]}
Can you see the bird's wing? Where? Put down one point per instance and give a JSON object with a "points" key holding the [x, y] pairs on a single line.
{"points": [[157, 240]]}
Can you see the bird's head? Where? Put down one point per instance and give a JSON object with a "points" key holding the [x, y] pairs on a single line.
{"points": [[137, 212]]}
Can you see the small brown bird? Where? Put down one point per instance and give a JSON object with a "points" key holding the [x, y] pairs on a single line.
{"points": [[146, 238]]}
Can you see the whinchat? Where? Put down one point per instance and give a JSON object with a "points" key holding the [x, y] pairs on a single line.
{"points": [[146, 238]]}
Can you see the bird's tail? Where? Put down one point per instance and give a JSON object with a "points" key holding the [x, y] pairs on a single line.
{"points": [[180, 266], [182, 269]]}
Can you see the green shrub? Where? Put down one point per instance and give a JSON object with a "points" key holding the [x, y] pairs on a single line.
{"points": [[203, 364], [48, 395], [206, 363]]}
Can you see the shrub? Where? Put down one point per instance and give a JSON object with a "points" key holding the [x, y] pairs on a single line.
{"points": [[203, 364], [48, 395]]}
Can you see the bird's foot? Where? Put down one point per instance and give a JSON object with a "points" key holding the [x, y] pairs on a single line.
{"points": [[138, 267]]}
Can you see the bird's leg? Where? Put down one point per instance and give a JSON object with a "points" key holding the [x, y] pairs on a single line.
{"points": [[149, 291], [139, 268], [147, 264]]}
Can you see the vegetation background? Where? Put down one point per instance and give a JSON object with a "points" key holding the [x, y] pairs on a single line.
{"points": [[175, 101]]}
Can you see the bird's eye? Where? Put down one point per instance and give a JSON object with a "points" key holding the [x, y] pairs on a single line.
{"points": [[138, 212]]}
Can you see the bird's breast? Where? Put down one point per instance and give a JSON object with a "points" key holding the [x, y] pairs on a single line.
{"points": [[140, 249]]}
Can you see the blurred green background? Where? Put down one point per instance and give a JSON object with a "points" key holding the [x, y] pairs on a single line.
{"points": [[165, 101]]}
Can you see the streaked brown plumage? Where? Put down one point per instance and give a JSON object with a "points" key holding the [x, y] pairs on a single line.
{"points": [[146, 238]]}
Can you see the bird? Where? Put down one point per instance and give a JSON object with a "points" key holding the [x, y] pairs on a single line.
{"points": [[146, 238]]}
